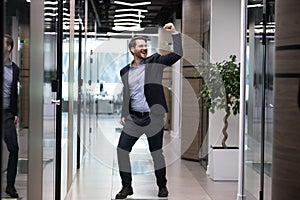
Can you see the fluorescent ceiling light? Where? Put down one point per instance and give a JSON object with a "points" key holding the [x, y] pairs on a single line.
{"points": [[130, 10], [55, 8], [50, 8], [51, 14], [130, 15], [124, 28], [76, 20], [51, 3], [267, 23], [132, 4], [48, 19], [75, 27], [125, 24], [55, 14], [128, 20], [267, 26], [255, 6], [129, 34]]}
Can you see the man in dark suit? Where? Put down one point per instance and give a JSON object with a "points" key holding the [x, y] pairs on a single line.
{"points": [[10, 114], [144, 107]]}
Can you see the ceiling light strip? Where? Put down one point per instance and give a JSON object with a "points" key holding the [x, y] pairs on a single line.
{"points": [[125, 28], [130, 15], [131, 10], [133, 4], [128, 20], [50, 3], [125, 24], [255, 6]]}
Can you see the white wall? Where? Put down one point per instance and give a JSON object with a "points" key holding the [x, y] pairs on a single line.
{"points": [[225, 29], [224, 41]]}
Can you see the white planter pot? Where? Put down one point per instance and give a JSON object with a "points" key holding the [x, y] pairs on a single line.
{"points": [[224, 164]]}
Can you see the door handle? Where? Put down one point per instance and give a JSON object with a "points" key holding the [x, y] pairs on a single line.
{"points": [[55, 101]]}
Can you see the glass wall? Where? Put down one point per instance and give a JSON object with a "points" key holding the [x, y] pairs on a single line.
{"points": [[16, 24], [90, 74], [33, 25], [259, 99], [49, 116]]}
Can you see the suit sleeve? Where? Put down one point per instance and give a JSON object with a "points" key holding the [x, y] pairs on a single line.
{"points": [[173, 57], [14, 95], [177, 43], [125, 101]]}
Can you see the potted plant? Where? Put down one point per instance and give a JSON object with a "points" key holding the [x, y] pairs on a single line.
{"points": [[221, 91]]}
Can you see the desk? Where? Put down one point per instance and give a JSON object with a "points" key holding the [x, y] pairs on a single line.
{"points": [[104, 104]]}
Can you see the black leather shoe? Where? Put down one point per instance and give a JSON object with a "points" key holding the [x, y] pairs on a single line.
{"points": [[163, 192], [12, 192], [126, 190]]}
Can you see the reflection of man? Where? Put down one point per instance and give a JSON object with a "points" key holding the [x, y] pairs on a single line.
{"points": [[143, 108], [10, 114]]}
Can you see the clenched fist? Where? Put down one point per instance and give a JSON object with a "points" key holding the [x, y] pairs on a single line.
{"points": [[170, 27]]}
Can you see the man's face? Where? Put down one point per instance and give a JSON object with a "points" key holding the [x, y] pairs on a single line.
{"points": [[140, 50], [6, 49]]}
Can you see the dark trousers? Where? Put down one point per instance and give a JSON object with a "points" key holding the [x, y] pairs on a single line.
{"points": [[11, 140], [134, 127]]}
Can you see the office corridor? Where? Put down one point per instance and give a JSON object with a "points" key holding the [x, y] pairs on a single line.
{"points": [[98, 176]]}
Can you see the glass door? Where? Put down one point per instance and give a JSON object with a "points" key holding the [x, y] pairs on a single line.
{"points": [[51, 104], [259, 99], [61, 89], [69, 80], [47, 53]]}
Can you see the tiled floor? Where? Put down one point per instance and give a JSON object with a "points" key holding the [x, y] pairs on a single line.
{"points": [[98, 177]]}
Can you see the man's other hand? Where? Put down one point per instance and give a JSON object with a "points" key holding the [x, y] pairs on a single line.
{"points": [[16, 120], [122, 121]]}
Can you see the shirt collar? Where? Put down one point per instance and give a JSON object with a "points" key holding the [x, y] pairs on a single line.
{"points": [[141, 63]]}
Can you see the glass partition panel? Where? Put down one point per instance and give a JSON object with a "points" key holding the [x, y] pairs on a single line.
{"points": [[14, 167], [49, 116], [69, 68], [50, 95], [259, 98]]}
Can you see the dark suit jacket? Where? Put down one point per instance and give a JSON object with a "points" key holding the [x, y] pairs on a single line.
{"points": [[153, 88], [14, 90]]}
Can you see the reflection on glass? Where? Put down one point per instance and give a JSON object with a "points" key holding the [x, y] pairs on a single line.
{"points": [[15, 102], [254, 120]]}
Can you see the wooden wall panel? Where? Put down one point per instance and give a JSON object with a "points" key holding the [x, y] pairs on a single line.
{"points": [[286, 148], [192, 110]]}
